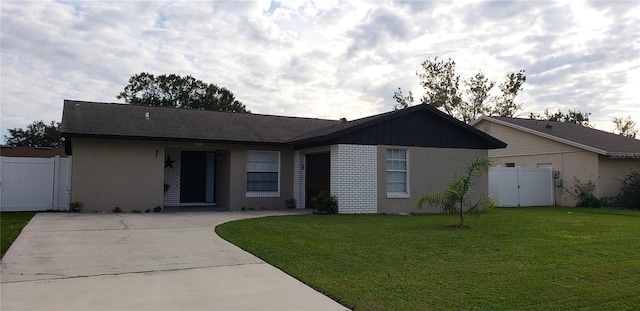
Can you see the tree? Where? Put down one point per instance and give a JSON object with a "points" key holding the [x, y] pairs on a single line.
{"points": [[402, 101], [442, 86], [177, 91], [443, 91], [577, 117], [478, 92], [506, 105], [626, 126], [573, 116], [37, 134], [456, 199]]}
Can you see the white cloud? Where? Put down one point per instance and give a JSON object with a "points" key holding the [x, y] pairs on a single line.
{"points": [[327, 59]]}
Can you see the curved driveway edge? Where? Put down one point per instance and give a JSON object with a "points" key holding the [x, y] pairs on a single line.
{"points": [[65, 261]]}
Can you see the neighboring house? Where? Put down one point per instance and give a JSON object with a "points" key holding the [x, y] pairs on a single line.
{"points": [[31, 152], [576, 152], [140, 157]]}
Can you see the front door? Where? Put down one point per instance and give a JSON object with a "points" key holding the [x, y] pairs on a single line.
{"points": [[318, 176], [196, 177]]}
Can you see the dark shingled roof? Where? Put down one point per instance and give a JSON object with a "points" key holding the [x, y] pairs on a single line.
{"points": [[82, 118], [598, 141], [89, 119]]}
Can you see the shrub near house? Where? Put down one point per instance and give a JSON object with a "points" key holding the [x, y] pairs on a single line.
{"points": [[629, 196]]}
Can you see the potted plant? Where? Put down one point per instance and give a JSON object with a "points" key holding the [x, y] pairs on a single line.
{"points": [[291, 203], [75, 206]]}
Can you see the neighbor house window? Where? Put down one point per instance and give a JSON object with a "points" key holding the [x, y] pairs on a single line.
{"points": [[263, 173], [545, 165], [397, 173]]}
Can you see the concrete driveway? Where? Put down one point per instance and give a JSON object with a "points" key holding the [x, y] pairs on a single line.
{"points": [[65, 261]]}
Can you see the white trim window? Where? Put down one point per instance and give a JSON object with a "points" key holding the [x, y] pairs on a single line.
{"points": [[397, 173], [263, 174]]}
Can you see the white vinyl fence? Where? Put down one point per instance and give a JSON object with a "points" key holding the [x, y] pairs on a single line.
{"points": [[519, 186], [35, 184]]}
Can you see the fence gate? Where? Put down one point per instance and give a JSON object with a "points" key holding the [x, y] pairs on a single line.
{"points": [[35, 184], [518, 186]]}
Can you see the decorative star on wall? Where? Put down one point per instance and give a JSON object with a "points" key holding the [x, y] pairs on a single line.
{"points": [[168, 162]]}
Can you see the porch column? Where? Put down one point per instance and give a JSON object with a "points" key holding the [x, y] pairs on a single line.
{"points": [[299, 179]]}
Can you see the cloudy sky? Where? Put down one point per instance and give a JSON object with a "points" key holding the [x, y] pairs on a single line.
{"points": [[324, 59]]}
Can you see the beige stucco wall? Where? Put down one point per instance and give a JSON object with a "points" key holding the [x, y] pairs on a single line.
{"points": [[117, 173], [223, 174], [430, 171], [611, 172]]}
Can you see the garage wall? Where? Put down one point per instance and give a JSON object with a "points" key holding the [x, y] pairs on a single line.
{"points": [[117, 173]]}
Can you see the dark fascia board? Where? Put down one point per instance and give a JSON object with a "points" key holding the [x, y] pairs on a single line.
{"points": [[395, 114], [313, 144], [68, 137]]}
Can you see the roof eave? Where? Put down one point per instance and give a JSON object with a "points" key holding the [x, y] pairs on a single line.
{"points": [[174, 139]]}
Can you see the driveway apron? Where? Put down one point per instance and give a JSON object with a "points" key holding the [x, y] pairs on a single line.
{"points": [[66, 261]]}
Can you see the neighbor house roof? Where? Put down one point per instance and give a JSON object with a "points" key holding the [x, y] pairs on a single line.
{"points": [[576, 135], [31, 152], [90, 119]]}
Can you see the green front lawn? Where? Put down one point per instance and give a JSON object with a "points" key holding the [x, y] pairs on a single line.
{"points": [[512, 259], [11, 223]]}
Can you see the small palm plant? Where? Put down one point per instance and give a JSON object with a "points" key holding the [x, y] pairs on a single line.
{"points": [[456, 199]]}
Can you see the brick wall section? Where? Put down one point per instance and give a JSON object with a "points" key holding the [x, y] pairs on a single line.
{"points": [[172, 178], [298, 179], [354, 178]]}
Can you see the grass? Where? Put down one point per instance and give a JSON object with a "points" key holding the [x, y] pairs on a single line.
{"points": [[11, 224], [512, 259]]}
